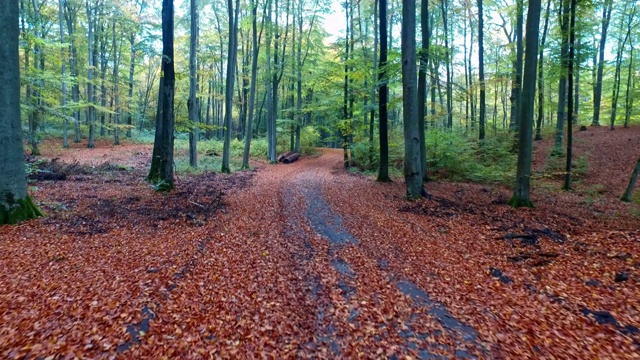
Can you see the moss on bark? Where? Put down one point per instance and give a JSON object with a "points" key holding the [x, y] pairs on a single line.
{"points": [[518, 203], [20, 210]]}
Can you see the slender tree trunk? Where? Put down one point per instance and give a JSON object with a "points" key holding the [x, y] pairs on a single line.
{"points": [[444, 5], [422, 85], [383, 94], [271, 144], [254, 74], [132, 68], [618, 71], [516, 84], [116, 90], [193, 86], [483, 89], [562, 84], [231, 64], [572, 51], [65, 122], [628, 193], [597, 92], [91, 111], [630, 84], [540, 117], [299, 62], [521, 195]]}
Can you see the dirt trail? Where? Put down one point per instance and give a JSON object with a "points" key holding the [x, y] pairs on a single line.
{"points": [[349, 305]]}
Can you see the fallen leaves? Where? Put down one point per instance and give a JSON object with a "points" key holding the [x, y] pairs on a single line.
{"points": [[119, 269]]}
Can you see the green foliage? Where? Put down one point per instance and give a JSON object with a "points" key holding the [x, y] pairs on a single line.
{"points": [[453, 156], [555, 167], [309, 140]]}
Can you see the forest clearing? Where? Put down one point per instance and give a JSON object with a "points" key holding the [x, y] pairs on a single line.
{"points": [[310, 260]]}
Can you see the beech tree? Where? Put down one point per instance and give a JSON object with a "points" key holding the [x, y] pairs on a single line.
{"points": [[161, 172], [15, 203], [521, 195], [412, 166], [231, 65], [383, 97], [193, 86]]}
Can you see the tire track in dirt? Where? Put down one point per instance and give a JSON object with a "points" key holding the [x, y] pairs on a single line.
{"points": [[455, 338]]}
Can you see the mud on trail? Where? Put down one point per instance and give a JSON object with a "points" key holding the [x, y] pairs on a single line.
{"points": [[307, 260]]}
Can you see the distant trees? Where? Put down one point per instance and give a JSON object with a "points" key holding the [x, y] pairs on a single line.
{"points": [[15, 203]]}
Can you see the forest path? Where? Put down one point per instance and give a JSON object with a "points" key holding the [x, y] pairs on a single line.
{"points": [[358, 298]]}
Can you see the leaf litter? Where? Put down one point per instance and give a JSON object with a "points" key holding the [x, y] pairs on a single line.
{"points": [[306, 261]]}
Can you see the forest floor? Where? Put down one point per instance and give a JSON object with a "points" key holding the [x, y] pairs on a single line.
{"points": [[309, 260]]}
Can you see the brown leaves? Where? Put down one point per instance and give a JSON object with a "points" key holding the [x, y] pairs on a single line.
{"points": [[166, 276]]}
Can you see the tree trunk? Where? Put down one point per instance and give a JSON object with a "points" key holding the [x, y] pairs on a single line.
{"points": [[422, 85], [562, 84], [597, 91], [116, 91], [271, 144], [521, 195], [516, 84], [91, 110], [483, 90], [254, 74], [628, 193], [444, 4], [383, 97], [572, 51], [231, 64], [65, 122], [628, 98], [541, 74], [15, 203], [132, 68], [161, 172], [617, 76], [193, 86], [374, 72], [412, 169]]}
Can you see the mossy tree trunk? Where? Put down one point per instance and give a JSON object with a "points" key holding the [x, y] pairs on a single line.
{"points": [[15, 203]]}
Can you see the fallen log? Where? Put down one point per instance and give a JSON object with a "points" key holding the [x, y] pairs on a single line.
{"points": [[291, 158], [284, 156]]}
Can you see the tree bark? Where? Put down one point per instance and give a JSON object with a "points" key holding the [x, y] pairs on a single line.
{"points": [[383, 96], [572, 51], [628, 193], [161, 172], [422, 85], [541, 74], [193, 86], [412, 169], [483, 90], [618, 71], [521, 195], [231, 64], [597, 91], [15, 203]]}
